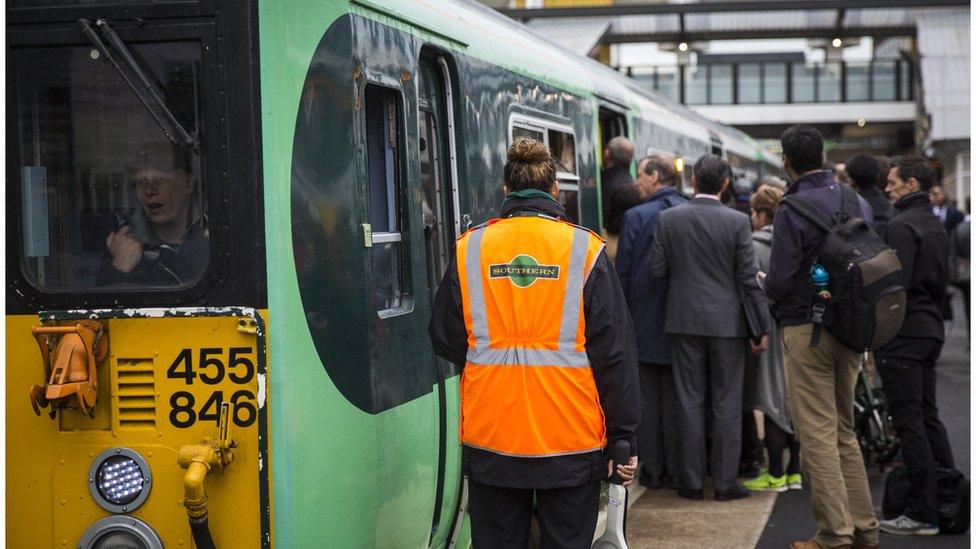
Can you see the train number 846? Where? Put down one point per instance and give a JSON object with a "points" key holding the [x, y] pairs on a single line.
{"points": [[211, 369]]}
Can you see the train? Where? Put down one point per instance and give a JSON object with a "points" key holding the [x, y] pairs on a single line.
{"points": [[226, 223]]}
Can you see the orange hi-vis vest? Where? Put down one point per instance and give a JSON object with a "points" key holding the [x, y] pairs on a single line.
{"points": [[528, 389]]}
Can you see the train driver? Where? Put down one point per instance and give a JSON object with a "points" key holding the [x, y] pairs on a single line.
{"points": [[532, 310], [164, 241]]}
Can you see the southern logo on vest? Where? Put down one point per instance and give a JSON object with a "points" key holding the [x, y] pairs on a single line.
{"points": [[523, 271]]}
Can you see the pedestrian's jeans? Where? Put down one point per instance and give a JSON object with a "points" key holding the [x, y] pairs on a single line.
{"points": [[820, 383], [907, 368]]}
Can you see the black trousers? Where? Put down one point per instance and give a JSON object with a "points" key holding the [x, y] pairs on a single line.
{"points": [[907, 368], [501, 517], [713, 366], [657, 434]]}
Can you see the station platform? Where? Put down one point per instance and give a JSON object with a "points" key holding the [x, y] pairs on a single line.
{"points": [[661, 519]]}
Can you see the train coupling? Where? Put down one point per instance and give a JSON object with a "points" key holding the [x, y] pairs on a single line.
{"points": [[70, 356]]}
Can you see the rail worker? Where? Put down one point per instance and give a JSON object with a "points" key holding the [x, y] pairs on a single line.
{"points": [[164, 241], [532, 310]]}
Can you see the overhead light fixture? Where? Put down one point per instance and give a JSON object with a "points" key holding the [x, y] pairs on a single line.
{"points": [[861, 122], [837, 42], [683, 46]]}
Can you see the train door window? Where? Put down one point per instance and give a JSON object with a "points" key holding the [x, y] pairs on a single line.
{"points": [[106, 199], [433, 193], [384, 143]]}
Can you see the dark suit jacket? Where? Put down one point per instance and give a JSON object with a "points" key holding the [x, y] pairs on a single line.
{"points": [[706, 250], [646, 298]]}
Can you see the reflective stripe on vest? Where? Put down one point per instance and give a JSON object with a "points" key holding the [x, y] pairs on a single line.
{"points": [[567, 354], [527, 389]]}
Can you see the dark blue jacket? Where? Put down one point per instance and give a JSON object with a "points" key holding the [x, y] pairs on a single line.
{"points": [[796, 241], [646, 298]]}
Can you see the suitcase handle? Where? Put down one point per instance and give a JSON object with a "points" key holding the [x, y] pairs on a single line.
{"points": [[621, 456]]}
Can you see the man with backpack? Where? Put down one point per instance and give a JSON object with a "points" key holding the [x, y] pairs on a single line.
{"points": [[907, 363], [821, 371]]}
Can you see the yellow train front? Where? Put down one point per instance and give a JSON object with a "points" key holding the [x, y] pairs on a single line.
{"points": [[125, 428], [136, 381]]}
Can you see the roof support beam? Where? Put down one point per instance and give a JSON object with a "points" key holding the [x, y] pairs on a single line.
{"points": [[724, 7], [828, 33]]}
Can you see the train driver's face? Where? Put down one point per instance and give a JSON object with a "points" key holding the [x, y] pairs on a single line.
{"points": [[164, 195]]}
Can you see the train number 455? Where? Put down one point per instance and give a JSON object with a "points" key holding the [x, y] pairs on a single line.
{"points": [[238, 369]]}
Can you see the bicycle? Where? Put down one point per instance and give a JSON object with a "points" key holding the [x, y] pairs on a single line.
{"points": [[873, 423]]}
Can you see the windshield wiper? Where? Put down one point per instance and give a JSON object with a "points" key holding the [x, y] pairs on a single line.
{"points": [[147, 94]]}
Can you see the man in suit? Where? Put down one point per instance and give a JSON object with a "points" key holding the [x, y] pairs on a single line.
{"points": [[657, 434], [714, 306]]}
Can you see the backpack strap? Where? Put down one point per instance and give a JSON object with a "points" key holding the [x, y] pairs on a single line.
{"points": [[809, 211], [849, 203]]}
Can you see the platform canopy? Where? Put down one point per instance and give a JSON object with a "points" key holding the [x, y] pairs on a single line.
{"points": [[633, 22]]}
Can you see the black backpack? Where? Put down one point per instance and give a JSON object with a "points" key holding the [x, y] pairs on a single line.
{"points": [[867, 301], [953, 498]]}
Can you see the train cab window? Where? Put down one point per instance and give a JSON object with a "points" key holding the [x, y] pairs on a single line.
{"points": [[384, 143], [107, 201]]}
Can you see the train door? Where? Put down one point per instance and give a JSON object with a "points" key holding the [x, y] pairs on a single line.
{"points": [[442, 225], [613, 123]]}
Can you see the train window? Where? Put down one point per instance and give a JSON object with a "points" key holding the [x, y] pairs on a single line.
{"points": [[384, 143], [562, 145], [107, 200]]}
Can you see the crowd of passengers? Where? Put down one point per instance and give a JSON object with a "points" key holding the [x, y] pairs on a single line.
{"points": [[690, 271]]}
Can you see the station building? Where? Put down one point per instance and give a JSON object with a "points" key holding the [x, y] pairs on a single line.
{"points": [[883, 78]]}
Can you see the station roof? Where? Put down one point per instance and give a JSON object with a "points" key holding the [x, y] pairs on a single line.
{"points": [[728, 20]]}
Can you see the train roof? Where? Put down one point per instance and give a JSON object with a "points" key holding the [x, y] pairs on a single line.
{"points": [[484, 33]]}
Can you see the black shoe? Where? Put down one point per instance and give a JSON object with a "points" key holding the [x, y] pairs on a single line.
{"points": [[738, 492], [653, 482], [690, 493]]}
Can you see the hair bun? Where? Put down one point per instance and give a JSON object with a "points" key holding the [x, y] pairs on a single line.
{"points": [[529, 151]]}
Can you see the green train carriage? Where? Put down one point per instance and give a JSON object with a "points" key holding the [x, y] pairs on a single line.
{"points": [[338, 148]]}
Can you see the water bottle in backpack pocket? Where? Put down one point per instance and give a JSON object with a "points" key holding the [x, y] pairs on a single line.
{"points": [[865, 304]]}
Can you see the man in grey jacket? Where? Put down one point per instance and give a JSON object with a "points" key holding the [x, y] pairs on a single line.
{"points": [[714, 306]]}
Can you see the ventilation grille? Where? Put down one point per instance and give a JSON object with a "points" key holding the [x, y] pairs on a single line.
{"points": [[136, 387]]}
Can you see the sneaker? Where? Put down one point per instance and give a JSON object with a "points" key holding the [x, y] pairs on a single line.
{"points": [[767, 483], [906, 526], [795, 482]]}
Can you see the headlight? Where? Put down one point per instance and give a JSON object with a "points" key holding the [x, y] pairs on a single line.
{"points": [[119, 480], [120, 532]]}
